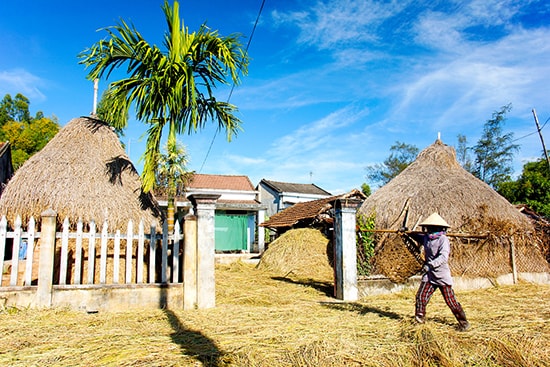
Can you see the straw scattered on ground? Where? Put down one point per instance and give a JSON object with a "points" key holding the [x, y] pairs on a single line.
{"points": [[263, 319]]}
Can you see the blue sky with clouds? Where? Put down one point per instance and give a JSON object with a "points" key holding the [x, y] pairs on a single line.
{"points": [[331, 84]]}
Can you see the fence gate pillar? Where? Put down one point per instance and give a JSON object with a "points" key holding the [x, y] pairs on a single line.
{"points": [[205, 206], [46, 260], [345, 251]]}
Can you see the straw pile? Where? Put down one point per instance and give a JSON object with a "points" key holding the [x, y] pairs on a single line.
{"points": [[304, 253], [435, 182], [83, 172]]}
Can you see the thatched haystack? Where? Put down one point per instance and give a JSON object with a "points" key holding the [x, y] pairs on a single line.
{"points": [[304, 253], [83, 172], [435, 182]]}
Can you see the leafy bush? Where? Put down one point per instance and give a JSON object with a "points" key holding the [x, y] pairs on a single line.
{"points": [[365, 242]]}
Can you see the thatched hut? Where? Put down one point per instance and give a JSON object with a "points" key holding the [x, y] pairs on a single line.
{"points": [[82, 173], [486, 225]]}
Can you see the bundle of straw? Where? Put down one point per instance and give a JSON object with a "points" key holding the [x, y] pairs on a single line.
{"points": [[303, 252]]}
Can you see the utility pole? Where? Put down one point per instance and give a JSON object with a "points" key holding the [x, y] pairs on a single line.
{"points": [[541, 139], [94, 109]]}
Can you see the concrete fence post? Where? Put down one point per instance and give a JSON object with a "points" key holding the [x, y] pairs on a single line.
{"points": [[261, 231], [46, 260], [205, 207], [190, 262], [345, 250]]}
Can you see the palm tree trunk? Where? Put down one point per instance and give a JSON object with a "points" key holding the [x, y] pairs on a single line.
{"points": [[170, 214], [171, 145]]}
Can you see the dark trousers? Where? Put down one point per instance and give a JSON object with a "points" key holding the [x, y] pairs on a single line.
{"points": [[425, 292]]}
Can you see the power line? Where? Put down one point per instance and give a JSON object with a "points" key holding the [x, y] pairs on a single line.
{"points": [[233, 86], [534, 132]]}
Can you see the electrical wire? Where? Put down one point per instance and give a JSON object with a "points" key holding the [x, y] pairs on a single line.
{"points": [[534, 132], [233, 86]]}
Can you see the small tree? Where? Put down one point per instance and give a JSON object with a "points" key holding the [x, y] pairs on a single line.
{"points": [[494, 152], [365, 242], [365, 188], [172, 176], [462, 153], [401, 155]]}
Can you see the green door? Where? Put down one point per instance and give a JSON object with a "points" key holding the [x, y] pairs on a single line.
{"points": [[231, 232]]}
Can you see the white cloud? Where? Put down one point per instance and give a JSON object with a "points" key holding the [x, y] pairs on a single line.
{"points": [[21, 81], [451, 90], [493, 12], [329, 24], [314, 136]]}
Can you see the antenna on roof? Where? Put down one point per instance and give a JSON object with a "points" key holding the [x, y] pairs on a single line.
{"points": [[438, 135], [96, 82]]}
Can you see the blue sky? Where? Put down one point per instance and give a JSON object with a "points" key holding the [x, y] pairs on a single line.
{"points": [[331, 84]]}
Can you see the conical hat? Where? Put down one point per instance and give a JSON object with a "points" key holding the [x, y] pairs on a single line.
{"points": [[435, 220]]}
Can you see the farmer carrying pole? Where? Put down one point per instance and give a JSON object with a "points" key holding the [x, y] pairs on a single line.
{"points": [[437, 274]]}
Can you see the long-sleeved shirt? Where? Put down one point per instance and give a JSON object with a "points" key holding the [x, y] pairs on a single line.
{"points": [[437, 252]]}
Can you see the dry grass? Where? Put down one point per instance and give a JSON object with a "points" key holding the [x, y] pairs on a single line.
{"points": [[262, 319]]}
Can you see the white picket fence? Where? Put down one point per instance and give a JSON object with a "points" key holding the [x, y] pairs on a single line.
{"points": [[138, 250]]}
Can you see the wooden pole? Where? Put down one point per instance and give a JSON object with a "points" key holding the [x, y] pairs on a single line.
{"points": [[465, 235], [513, 258], [541, 139]]}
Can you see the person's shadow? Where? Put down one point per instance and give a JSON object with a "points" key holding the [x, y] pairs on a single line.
{"points": [[194, 343]]}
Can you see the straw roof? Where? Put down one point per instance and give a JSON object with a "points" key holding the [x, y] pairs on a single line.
{"points": [[435, 182], [83, 172]]}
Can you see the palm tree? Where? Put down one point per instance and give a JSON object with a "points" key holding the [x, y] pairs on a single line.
{"points": [[170, 89], [172, 176]]}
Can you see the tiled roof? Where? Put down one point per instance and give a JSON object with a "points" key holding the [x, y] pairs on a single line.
{"points": [[220, 182], [295, 187], [308, 210]]}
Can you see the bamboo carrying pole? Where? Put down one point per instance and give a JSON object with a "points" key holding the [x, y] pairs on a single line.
{"points": [[464, 235]]}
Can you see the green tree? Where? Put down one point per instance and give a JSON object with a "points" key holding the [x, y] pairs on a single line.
{"points": [[26, 135], [494, 152], [401, 155], [14, 109], [172, 177], [531, 188], [365, 188], [172, 89]]}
